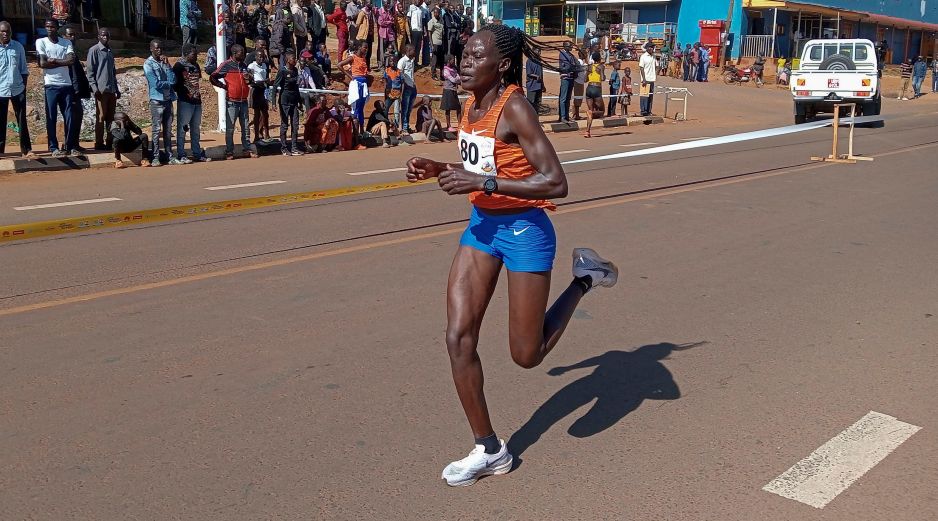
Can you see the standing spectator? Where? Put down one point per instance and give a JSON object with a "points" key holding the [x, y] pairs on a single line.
{"points": [[340, 21], [409, 93], [579, 83], [189, 14], [189, 108], [365, 34], [615, 84], [300, 28], [281, 37], [466, 32], [401, 20], [236, 85], [934, 74], [122, 135], [919, 70], [211, 59], [316, 24], [13, 76], [393, 87], [311, 77], [450, 102], [704, 68], [358, 81], [82, 92], [259, 22], [102, 77], [257, 101], [239, 23], [694, 61], [415, 26], [435, 35], [452, 26], [678, 64], [905, 73], [351, 13], [686, 62], [648, 68], [160, 80], [567, 66], [534, 76], [288, 78], [758, 67], [323, 59], [56, 55], [386, 32], [425, 19]]}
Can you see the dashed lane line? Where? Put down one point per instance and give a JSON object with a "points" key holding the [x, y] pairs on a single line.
{"points": [[66, 203], [245, 185]]}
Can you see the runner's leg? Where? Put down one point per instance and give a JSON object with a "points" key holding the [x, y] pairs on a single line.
{"points": [[532, 333], [472, 280]]}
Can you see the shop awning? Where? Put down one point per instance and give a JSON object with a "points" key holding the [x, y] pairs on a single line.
{"points": [[843, 14], [900, 22], [606, 2]]}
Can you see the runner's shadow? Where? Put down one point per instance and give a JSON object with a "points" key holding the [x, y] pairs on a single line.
{"points": [[620, 382]]}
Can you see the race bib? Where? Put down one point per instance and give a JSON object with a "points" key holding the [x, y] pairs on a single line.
{"points": [[477, 153]]}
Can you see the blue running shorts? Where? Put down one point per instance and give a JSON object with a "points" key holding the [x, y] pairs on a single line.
{"points": [[524, 241]]}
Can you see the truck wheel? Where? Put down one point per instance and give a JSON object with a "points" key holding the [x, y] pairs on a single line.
{"points": [[837, 62]]}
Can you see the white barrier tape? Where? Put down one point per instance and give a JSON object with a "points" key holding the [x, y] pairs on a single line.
{"points": [[732, 138]]}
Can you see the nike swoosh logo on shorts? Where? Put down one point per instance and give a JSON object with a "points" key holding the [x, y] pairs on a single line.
{"points": [[519, 232]]}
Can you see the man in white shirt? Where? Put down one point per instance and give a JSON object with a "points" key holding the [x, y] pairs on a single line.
{"points": [[409, 92], [648, 68], [415, 25], [56, 55]]}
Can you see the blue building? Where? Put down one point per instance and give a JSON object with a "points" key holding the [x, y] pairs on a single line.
{"points": [[773, 27]]}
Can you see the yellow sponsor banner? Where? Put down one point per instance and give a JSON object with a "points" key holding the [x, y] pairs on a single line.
{"points": [[17, 232]]}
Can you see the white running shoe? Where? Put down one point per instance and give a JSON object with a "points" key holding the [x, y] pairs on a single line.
{"points": [[477, 464], [601, 271]]}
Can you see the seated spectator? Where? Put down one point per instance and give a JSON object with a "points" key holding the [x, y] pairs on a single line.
{"points": [[322, 58], [347, 127], [320, 129], [122, 133], [380, 124], [426, 123]]}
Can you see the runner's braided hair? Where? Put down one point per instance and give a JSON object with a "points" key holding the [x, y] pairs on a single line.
{"points": [[514, 44]]}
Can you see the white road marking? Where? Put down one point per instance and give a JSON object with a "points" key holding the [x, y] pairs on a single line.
{"points": [[695, 138], [637, 144], [244, 185], [67, 203], [572, 151], [369, 172], [834, 466]]}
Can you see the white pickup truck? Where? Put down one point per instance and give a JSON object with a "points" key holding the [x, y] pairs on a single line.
{"points": [[836, 71]]}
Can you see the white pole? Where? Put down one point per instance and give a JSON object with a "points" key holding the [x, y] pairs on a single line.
{"points": [[220, 49], [475, 14], [774, 25]]}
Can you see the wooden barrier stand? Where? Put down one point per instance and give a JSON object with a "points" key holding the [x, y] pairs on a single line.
{"points": [[834, 157]]}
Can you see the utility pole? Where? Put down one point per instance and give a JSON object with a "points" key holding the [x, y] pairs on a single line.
{"points": [[729, 22]]}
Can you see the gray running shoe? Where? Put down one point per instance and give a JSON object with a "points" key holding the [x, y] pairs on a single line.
{"points": [[477, 464], [588, 262]]}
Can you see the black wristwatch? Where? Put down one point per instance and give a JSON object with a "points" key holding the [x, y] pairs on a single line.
{"points": [[490, 186]]}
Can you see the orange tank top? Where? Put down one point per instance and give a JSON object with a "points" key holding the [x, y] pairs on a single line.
{"points": [[359, 66], [484, 154]]}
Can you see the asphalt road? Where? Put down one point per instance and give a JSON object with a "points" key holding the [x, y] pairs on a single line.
{"points": [[289, 363]]}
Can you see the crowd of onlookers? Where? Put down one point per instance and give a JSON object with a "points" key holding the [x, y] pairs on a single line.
{"points": [[913, 75]]}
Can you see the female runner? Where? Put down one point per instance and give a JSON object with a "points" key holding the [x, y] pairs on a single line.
{"points": [[510, 171]]}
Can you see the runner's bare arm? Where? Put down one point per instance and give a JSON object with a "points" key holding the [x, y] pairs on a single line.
{"points": [[421, 168], [518, 124]]}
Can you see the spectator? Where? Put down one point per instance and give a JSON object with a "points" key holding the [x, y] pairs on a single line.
{"points": [[615, 84], [386, 32], [648, 69], [450, 102], [320, 130], [905, 73], [379, 123], [409, 91], [579, 83], [426, 122], [211, 60], [452, 26], [311, 77], [259, 22], [323, 59], [260, 80], [625, 92], [300, 28], [918, 75], [534, 75], [124, 140], [351, 14], [281, 37], [758, 67], [703, 68], [567, 66], [694, 62], [56, 55], [435, 35], [102, 77], [678, 65], [358, 81], [161, 80], [189, 108], [189, 14], [82, 92], [239, 23], [393, 87], [934, 74], [365, 34], [288, 82], [686, 61], [13, 76], [342, 114], [402, 25], [595, 75], [424, 52], [236, 85], [340, 21], [415, 26], [229, 31], [316, 24]]}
